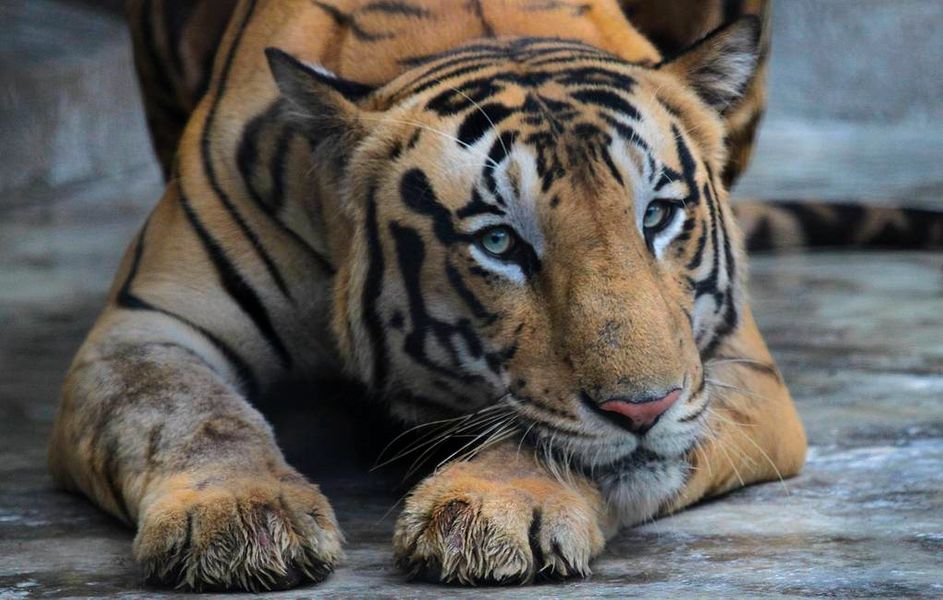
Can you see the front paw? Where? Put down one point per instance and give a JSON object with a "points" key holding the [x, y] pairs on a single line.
{"points": [[234, 533], [460, 526]]}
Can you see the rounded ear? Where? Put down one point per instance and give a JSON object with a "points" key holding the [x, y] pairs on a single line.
{"points": [[720, 66], [319, 104]]}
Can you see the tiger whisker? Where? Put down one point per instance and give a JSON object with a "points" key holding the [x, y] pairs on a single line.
{"points": [[524, 436], [730, 386], [733, 466], [490, 430], [490, 161], [492, 440], [437, 437], [482, 111], [422, 458], [442, 422], [738, 427], [735, 360]]}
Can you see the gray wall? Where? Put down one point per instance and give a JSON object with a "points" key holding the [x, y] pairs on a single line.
{"points": [[855, 89], [858, 60]]}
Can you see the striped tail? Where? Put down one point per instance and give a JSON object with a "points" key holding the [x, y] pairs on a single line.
{"points": [[812, 224]]}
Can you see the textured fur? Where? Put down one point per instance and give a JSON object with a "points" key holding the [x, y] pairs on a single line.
{"points": [[322, 215]]}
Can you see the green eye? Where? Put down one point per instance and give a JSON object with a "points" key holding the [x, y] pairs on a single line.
{"points": [[497, 241], [658, 215]]}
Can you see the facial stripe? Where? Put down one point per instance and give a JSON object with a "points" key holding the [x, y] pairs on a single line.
{"points": [[372, 289], [476, 206], [609, 100], [417, 193], [411, 254], [471, 301], [496, 155], [482, 119]]}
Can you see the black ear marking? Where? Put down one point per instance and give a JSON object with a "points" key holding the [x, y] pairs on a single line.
{"points": [[318, 104], [293, 76], [721, 65]]}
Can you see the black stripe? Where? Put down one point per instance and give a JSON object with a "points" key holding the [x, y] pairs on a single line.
{"points": [[608, 100], [472, 301], [761, 237], [417, 194], [613, 170], [236, 286], [147, 27], [496, 155], [411, 254], [477, 206], [208, 162], [396, 8], [372, 288], [247, 158], [628, 134], [175, 16], [480, 121], [109, 473], [688, 167], [277, 169], [693, 416], [533, 539], [695, 261], [350, 22], [128, 300], [479, 12]]}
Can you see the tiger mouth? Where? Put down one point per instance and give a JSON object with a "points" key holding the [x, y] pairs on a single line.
{"points": [[597, 454]]}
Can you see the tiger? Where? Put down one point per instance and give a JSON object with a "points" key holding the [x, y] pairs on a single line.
{"points": [[516, 212]]}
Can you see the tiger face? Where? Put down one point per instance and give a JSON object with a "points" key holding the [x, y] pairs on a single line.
{"points": [[539, 224]]}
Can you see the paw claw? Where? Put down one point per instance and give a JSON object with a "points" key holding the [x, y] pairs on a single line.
{"points": [[480, 532], [238, 535]]}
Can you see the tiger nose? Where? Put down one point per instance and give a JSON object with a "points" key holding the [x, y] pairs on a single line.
{"points": [[640, 414]]}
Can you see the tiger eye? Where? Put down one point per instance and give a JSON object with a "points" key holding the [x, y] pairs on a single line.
{"points": [[658, 214], [497, 241]]}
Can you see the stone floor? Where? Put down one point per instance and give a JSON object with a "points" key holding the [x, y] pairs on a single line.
{"points": [[859, 338]]}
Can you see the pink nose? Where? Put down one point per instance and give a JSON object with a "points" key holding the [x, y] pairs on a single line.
{"points": [[641, 414]]}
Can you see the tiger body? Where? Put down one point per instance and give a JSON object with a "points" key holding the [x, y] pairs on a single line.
{"points": [[330, 219]]}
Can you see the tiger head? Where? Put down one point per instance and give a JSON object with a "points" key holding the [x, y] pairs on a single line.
{"points": [[537, 224]]}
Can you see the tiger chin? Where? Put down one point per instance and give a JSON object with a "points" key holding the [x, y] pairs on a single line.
{"points": [[524, 222]]}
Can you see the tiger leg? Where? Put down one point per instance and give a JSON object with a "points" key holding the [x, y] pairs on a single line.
{"points": [[152, 433], [754, 433], [500, 518], [155, 427]]}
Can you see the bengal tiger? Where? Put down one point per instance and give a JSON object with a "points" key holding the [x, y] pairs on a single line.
{"points": [[516, 211]]}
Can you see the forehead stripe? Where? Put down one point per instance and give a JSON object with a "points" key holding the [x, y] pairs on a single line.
{"points": [[417, 193], [607, 99], [476, 206], [482, 119]]}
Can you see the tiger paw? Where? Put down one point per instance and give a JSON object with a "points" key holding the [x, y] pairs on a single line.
{"points": [[250, 534], [460, 527]]}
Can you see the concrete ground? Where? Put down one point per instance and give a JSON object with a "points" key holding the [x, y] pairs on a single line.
{"points": [[859, 336]]}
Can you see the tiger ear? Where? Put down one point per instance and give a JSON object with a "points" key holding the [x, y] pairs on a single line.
{"points": [[720, 66], [320, 105]]}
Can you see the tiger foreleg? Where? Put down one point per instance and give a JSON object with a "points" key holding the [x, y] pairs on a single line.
{"points": [[500, 518], [153, 433]]}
